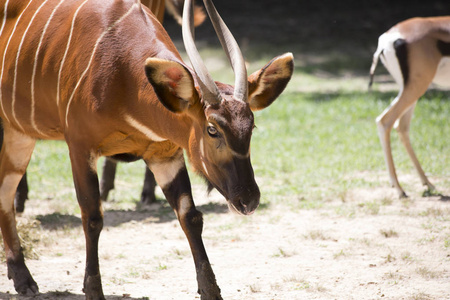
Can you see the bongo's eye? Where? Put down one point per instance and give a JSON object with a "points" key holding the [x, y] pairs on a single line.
{"points": [[212, 131]]}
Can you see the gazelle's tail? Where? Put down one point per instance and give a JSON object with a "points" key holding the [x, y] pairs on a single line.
{"points": [[376, 58]]}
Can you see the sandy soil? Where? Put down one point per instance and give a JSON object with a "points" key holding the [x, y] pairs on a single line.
{"points": [[365, 244]]}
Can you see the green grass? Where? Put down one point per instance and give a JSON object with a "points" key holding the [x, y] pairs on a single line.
{"points": [[317, 141], [308, 146]]}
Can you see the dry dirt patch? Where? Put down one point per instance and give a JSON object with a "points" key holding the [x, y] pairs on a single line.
{"points": [[367, 245]]}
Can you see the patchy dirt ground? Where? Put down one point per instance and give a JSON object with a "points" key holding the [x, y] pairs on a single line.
{"points": [[365, 244]]}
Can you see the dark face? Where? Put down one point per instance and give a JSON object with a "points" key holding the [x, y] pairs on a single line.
{"points": [[219, 139], [222, 143]]}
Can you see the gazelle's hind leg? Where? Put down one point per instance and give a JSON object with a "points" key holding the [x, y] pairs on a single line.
{"points": [[402, 127], [405, 101], [385, 122], [14, 157]]}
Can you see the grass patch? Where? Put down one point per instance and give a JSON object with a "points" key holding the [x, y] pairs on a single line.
{"points": [[29, 234], [316, 235], [283, 253], [325, 136], [388, 233], [427, 273], [306, 148], [340, 254]]}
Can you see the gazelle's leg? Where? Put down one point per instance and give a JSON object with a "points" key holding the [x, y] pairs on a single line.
{"points": [[88, 195], [14, 157], [402, 126], [407, 97], [173, 178], [385, 122]]}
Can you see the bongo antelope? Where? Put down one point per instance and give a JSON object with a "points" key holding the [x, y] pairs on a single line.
{"points": [[416, 52], [104, 76], [175, 8]]}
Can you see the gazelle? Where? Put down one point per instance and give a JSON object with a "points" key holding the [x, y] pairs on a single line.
{"points": [[158, 7], [416, 52], [104, 76]]}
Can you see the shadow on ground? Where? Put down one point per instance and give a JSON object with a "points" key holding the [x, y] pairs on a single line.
{"points": [[114, 218], [60, 295]]}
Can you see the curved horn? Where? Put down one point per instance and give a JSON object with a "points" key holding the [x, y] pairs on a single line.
{"points": [[208, 87], [232, 50]]}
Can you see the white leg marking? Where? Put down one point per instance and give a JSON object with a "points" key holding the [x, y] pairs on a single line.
{"points": [[143, 129], [185, 205], [7, 191], [166, 172], [13, 105], [136, 5], [33, 76], [66, 51], [4, 56]]}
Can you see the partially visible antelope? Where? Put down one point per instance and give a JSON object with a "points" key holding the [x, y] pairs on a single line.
{"points": [[104, 76], [158, 7], [416, 52]]}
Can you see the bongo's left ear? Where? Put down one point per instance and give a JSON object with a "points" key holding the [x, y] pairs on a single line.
{"points": [[266, 84]]}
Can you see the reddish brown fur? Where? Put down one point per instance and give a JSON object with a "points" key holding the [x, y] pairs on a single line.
{"points": [[105, 105]]}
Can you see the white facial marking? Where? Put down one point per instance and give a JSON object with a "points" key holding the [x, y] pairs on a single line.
{"points": [[4, 56], [202, 155], [136, 5], [239, 155], [143, 129], [166, 172]]}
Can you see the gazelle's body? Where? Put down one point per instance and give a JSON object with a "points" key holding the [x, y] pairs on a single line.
{"points": [[104, 76], [416, 53]]}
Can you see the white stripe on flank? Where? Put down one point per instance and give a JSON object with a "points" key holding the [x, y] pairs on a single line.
{"points": [[13, 105], [144, 129], [33, 76], [136, 5], [4, 57], [5, 14], [66, 51]]}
